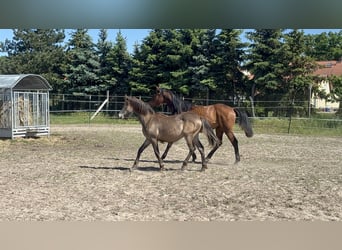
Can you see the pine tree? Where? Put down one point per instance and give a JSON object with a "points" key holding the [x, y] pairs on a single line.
{"points": [[119, 61], [147, 69], [36, 51], [198, 52], [227, 64], [265, 64], [324, 46], [83, 64], [298, 67], [105, 72]]}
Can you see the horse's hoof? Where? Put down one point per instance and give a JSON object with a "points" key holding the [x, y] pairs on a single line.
{"points": [[203, 168]]}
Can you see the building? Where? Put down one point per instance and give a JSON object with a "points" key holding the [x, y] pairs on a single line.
{"points": [[326, 69]]}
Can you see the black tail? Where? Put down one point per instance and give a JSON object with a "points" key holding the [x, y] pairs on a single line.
{"points": [[244, 122], [209, 132]]}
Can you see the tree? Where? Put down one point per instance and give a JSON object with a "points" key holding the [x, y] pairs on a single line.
{"points": [[336, 92], [202, 52], [103, 47], [265, 64], [324, 46], [227, 64], [147, 68], [36, 51], [119, 61], [298, 68], [83, 64]]}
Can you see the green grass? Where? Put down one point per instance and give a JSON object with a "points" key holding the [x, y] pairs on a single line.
{"points": [[316, 127], [84, 118]]}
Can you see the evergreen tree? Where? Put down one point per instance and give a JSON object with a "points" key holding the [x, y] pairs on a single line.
{"points": [[83, 64], [324, 46], [282, 72], [265, 64], [147, 65], [200, 52], [105, 72], [227, 65], [336, 93], [298, 68], [119, 61], [35, 51], [137, 82]]}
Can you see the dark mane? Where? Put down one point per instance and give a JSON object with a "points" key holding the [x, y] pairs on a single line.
{"points": [[177, 103], [141, 106]]}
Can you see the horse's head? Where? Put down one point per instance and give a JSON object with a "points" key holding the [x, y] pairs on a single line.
{"points": [[161, 96], [135, 105], [127, 108]]}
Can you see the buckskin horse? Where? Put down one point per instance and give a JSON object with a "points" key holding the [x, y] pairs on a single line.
{"points": [[158, 127], [220, 116]]}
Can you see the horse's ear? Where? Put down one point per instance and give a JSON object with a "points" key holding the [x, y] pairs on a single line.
{"points": [[158, 89]]}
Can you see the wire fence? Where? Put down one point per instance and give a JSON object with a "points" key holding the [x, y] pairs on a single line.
{"points": [[270, 116]]}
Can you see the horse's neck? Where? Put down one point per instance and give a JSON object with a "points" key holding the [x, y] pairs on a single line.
{"points": [[144, 118]]}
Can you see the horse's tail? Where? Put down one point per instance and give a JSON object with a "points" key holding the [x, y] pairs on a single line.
{"points": [[244, 122], [209, 133]]}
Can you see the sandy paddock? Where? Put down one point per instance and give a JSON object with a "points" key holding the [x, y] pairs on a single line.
{"points": [[80, 173]]}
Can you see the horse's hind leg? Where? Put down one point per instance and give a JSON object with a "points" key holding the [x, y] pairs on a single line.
{"points": [[219, 134], [167, 151], [189, 141], [235, 144], [157, 153], [200, 148], [140, 150]]}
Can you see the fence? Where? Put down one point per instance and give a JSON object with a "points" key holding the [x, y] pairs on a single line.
{"points": [[296, 117]]}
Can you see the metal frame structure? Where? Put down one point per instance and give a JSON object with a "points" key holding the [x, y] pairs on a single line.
{"points": [[24, 106]]}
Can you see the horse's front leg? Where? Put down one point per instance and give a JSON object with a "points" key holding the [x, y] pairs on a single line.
{"points": [[166, 150], [140, 150], [157, 153]]}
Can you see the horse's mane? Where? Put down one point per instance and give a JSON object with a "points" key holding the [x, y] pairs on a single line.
{"points": [[178, 104], [141, 106]]}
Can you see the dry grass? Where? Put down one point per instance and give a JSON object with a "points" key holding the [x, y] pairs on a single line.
{"points": [[80, 173]]}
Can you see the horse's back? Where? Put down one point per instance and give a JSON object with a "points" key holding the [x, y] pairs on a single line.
{"points": [[172, 128], [218, 115]]}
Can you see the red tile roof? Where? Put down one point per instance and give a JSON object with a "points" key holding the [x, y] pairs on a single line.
{"points": [[328, 68]]}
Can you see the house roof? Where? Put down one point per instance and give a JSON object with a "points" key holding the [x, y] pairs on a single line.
{"points": [[24, 82], [328, 68]]}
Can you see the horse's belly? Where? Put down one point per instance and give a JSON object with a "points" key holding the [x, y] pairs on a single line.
{"points": [[170, 134]]}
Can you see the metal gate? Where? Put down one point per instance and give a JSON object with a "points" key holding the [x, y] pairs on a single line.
{"points": [[30, 109]]}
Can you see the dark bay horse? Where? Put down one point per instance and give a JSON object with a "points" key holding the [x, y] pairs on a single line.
{"points": [[158, 127], [221, 117]]}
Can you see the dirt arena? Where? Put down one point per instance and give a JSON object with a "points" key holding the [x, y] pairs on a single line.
{"points": [[80, 173]]}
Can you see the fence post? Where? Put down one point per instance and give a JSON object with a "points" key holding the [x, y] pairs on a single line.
{"points": [[89, 109], [290, 119], [107, 104], [252, 103], [309, 107], [115, 103]]}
